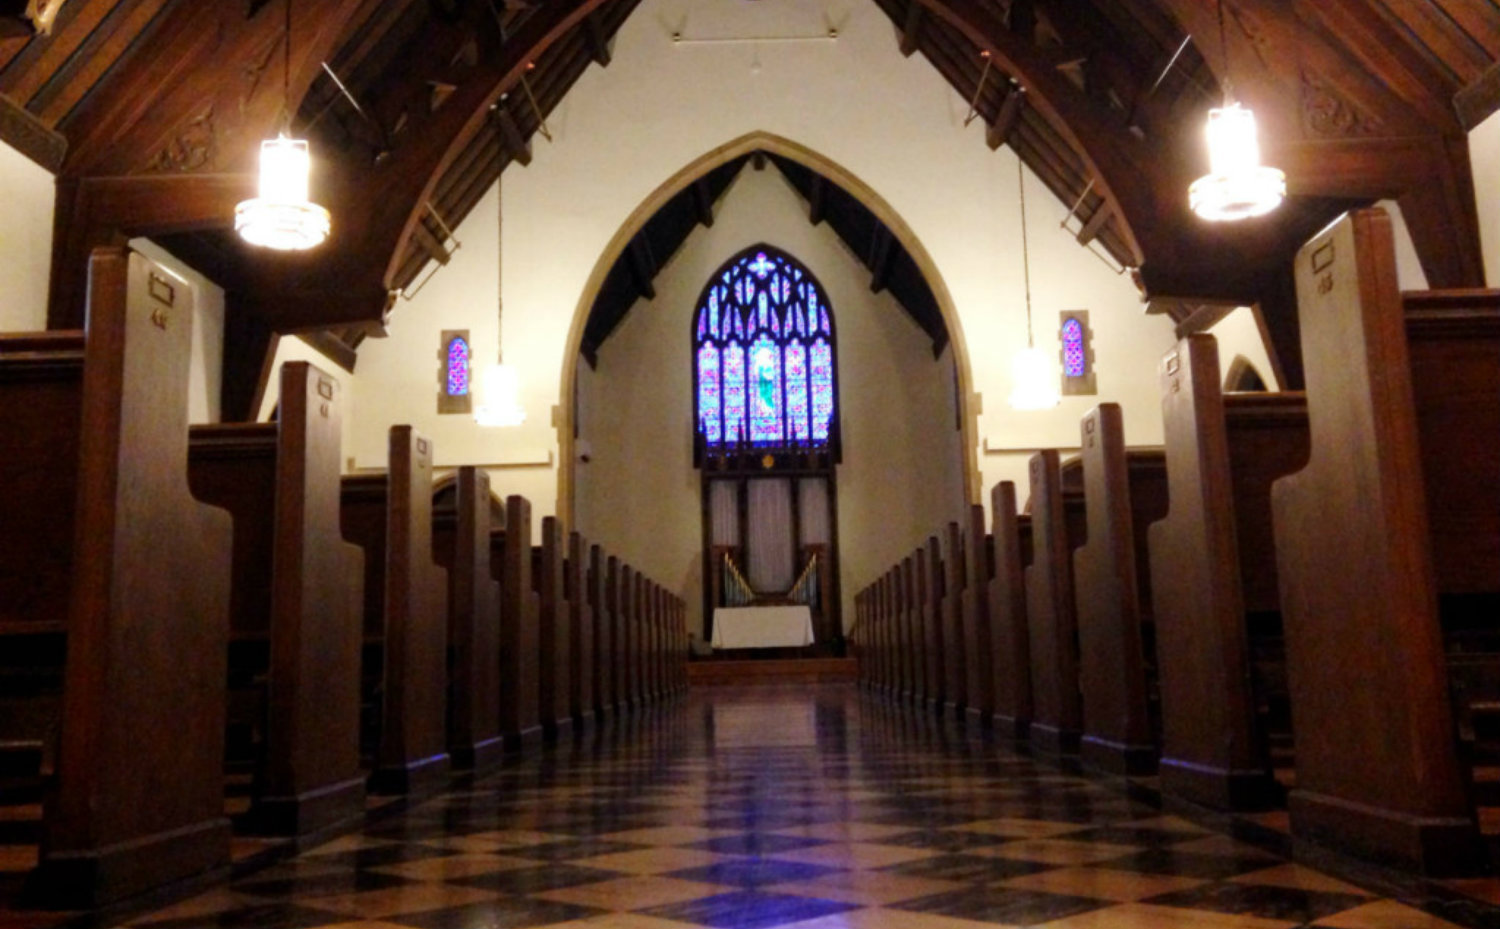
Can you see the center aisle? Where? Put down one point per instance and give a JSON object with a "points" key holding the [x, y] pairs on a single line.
{"points": [[807, 806]]}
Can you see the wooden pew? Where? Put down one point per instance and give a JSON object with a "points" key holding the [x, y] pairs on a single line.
{"points": [[955, 648], [41, 378], [603, 660], [1052, 619], [510, 560], [908, 618], [295, 602], [580, 631], [553, 653], [412, 757], [879, 607], [930, 593], [1214, 586], [1114, 648], [138, 798], [614, 585], [1010, 638], [461, 541], [629, 637], [978, 647], [1382, 776]]}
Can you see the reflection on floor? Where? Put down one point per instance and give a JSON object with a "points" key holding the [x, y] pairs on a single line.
{"points": [[810, 806]]}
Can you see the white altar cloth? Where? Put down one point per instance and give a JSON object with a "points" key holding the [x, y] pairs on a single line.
{"points": [[762, 627]]}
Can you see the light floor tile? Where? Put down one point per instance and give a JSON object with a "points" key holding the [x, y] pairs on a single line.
{"points": [[1019, 828], [668, 835], [1145, 916], [212, 903], [652, 860], [398, 901], [890, 919], [844, 831], [454, 866], [1101, 883], [1299, 878], [866, 888], [634, 893], [1055, 851], [860, 855], [1384, 914]]}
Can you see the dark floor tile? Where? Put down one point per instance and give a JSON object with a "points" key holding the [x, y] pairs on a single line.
{"points": [[1187, 864], [1002, 905], [538, 879], [572, 850], [507, 913], [319, 885], [379, 856], [261, 916], [1145, 836], [943, 840], [969, 869], [1287, 903], [748, 910], [752, 872], [754, 843]]}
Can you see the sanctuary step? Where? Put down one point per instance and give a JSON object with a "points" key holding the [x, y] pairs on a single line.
{"points": [[715, 672]]}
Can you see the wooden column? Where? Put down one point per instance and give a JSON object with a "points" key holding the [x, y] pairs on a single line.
{"points": [[602, 660], [1010, 639], [139, 794], [1057, 720], [1377, 770], [930, 589], [955, 648], [1112, 662], [580, 630]]}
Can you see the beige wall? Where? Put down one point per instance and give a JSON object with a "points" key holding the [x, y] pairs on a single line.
{"points": [[901, 475], [27, 190], [1484, 156]]}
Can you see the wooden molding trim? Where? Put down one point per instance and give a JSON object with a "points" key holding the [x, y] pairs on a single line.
{"points": [[30, 136]]}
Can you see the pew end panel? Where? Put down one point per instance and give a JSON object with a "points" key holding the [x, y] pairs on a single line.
{"points": [[1057, 708], [148, 617], [1364, 646]]}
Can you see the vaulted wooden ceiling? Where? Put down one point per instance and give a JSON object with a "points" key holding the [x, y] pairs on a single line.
{"points": [[148, 111]]}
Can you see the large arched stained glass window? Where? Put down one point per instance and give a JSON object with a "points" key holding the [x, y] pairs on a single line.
{"points": [[763, 343]]}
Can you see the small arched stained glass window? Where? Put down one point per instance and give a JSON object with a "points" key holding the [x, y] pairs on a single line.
{"points": [[458, 367], [1075, 354]]}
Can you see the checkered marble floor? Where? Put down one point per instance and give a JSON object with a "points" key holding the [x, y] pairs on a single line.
{"points": [[811, 807]]}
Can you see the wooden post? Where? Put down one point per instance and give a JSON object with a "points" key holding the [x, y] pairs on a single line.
{"points": [[976, 613], [1010, 641], [552, 623], [474, 738], [955, 648], [519, 719]]}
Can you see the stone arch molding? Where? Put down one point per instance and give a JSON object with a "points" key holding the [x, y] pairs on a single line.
{"points": [[833, 171]]}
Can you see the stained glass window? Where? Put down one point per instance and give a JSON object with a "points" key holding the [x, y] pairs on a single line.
{"points": [[763, 337], [1075, 358], [458, 366]]}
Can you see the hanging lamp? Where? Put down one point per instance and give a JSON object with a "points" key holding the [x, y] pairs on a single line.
{"points": [[1033, 386], [1237, 186], [281, 216], [499, 391]]}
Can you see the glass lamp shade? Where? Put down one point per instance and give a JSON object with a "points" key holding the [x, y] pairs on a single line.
{"points": [[1033, 383], [499, 396], [282, 217], [1237, 186]]}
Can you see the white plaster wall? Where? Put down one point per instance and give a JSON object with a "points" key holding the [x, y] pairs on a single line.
{"points": [[206, 370], [28, 192], [901, 475], [1484, 157], [1409, 273], [890, 121], [1239, 333]]}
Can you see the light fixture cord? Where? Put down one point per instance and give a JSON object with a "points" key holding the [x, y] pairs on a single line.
{"points": [[286, 71], [1224, 51], [1025, 252]]}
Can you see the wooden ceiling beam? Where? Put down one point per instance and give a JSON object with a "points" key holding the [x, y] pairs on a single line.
{"points": [[593, 30], [516, 144], [911, 29], [998, 132], [1095, 223], [882, 252], [642, 265], [817, 199], [703, 202], [1128, 172]]}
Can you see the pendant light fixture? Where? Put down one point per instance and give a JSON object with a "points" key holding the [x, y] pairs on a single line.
{"points": [[1033, 386], [499, 387], [1237, 186], [282, 217]]}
